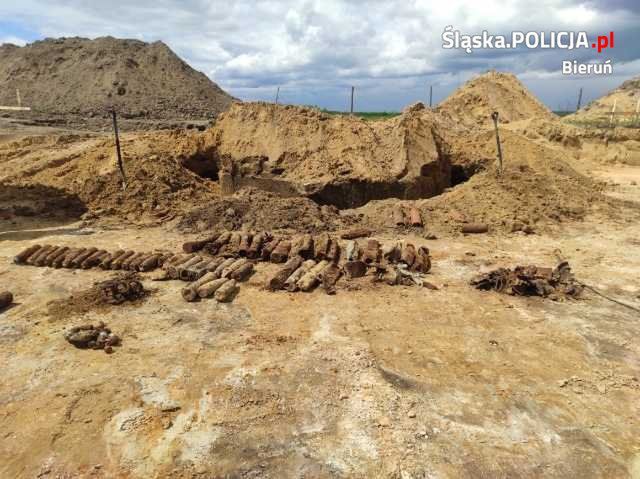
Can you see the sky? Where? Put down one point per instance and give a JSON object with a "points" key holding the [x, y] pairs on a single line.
{"points": [[315, 50]]}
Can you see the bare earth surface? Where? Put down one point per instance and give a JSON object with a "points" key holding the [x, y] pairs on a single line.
{"points": [[378, 381]]}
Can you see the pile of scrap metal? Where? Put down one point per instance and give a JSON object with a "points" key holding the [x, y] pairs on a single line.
{"points": [[89, 336], [86, 258], [119, 290], [531, 281]]}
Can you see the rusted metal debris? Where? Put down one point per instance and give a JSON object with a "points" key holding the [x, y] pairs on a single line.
{"points": [[475, 228], [6, 298], [531, 281], [119, 290], [356, 233], [88, 336]]}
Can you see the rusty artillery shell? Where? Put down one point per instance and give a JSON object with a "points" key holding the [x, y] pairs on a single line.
{"points": [[355, 269], [352, 251], [302, 246], [415, 218], [193, 272], [42, 252], [321, 246], [177, 260], [207, 289], [23, 255], [57, 263], [77, 261], [127, 261], [243, 272], [221, 240], [164, 257], [107, 260], [226, 292], [333, 255], [42, 259], [117, 263], [222, 266], [226, 272], [135, 263], [6, 298], [190, 292], [372, 252], [268, 248], [245, 244], [175, 270], [329, 277], [356, 233], [94, 259], [291, 284], [408, 255], [197, 245], [422, 263], [391, 252], [312, 277], [51, 258], [277, 281], [257, 242], [475, 228], [281, 253], [231, 248], [68, 259], [213, 264], [397, 215], [150, 262]]}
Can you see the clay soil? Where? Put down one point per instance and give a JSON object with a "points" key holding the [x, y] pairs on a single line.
{"points": [[374, 381]]}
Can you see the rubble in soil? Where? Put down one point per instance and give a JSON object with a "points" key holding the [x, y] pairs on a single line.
{"points": [[124, 287], [555, 283], [88, 336]]}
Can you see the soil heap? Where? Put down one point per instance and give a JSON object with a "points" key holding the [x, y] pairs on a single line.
{"points": [[473, 103], [78, 76], [625, 97], [338, 160]]}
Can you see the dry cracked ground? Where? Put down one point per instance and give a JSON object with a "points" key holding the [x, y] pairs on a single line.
{"points": [[376, 381]]}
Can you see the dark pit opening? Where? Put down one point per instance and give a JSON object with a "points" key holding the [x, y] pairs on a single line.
{"points": [[203, 164]]}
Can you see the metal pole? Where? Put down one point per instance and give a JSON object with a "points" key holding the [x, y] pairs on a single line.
{"points": [[352, 89], [277, 94], [613, 110], [430, 96], [120, 165], [579, 99], [494, 116], [18, 97]]}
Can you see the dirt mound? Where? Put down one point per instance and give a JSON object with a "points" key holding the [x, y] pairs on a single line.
{"points": [[536, 189], [473, 103], [598, 112], [79, 76], [340, 160]]}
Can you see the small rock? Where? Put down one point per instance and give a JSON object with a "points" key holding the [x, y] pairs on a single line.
{"points": [[384, 422], [411, 414], [344, 396]]}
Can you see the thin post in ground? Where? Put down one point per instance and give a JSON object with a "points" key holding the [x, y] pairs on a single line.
{"points": [[117, 136], [494, 117]]}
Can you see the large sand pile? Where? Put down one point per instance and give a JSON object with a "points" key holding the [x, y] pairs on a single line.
{"points": [[339, 160], [81, 77], [625, 97], [473, 103]]}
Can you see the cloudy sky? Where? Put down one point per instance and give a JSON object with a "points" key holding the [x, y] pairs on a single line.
{"points": [[316, 49]]}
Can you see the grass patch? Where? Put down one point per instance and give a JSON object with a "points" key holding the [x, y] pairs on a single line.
{"points": [[365, 115]]}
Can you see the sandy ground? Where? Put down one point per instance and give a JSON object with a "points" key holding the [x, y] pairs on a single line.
{"points": [[376, 381]]}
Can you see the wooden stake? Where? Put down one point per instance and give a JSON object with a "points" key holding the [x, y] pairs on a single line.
{"points": [[352, 90], [18, 97], [494, 116], [579, 99], [120, 165], [613, 110]]}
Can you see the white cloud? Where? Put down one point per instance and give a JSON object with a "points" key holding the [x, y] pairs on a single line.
{"points": [[314, 49]]}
